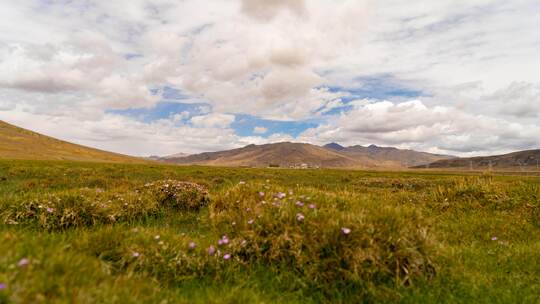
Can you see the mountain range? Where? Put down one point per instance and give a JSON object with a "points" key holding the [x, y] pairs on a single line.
{"points": [[288, 154], [19, 143]]}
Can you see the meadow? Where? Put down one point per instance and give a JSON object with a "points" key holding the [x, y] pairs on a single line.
{"points": [[75, 232]]}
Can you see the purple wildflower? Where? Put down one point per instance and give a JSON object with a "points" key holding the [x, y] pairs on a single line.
{"points": [[135, 254], [345, 230], [3, 286], [299, 217], [281, 195], [494, 238], [224, 240], [251, 221], [50, 210], [261, 194], [211, 250], [299, 204], [23, 262], [192, 245], [312, 206], [227, 256]]}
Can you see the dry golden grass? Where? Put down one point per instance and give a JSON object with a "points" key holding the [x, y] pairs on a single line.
{"points": [[18, 143]]}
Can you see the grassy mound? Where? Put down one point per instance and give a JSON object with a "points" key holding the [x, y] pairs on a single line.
{"points": [[327, 243], [88, 207]]}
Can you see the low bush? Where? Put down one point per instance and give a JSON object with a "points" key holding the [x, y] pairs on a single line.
{"points": [[179, 194]]}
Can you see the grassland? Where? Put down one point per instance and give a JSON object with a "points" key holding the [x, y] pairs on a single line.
{"points": [[131, 233]]}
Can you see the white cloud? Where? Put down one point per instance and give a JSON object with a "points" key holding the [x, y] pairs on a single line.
{"points": [[413, 125], [519, 99], [213, 120], [178, 117], [260, 130], [267, 9], [475, 61]]}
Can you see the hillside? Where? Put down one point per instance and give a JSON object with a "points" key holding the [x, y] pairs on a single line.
{"points": [[284, 154], [18, 143], [517, 160], [288, 154], [388, 156]]}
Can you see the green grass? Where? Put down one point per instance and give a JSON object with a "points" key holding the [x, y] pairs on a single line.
{"points": [[88, 233]]}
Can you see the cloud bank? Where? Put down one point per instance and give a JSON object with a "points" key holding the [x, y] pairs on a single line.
{"points": [[459, 77]]}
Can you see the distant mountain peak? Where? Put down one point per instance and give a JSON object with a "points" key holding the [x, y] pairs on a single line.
{"points": [[334, 146], [176, 155]]}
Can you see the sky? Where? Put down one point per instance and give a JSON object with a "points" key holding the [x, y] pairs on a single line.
{"points": [[159, 77]]}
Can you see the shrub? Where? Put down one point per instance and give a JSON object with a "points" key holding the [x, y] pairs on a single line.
{"points": [[179, 194]]}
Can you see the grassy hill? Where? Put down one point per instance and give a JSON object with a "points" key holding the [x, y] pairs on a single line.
{"points": [[19, 143], [526, 160], [283, 154], [286, 154]]}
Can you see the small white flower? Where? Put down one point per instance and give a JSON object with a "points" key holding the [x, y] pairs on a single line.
{"points": [[345, 230]]}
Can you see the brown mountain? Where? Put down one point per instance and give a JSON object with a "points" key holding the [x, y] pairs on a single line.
{"points": [[18, 143], [288, 154], [388, 156], [284, 154], [529, 159]]}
